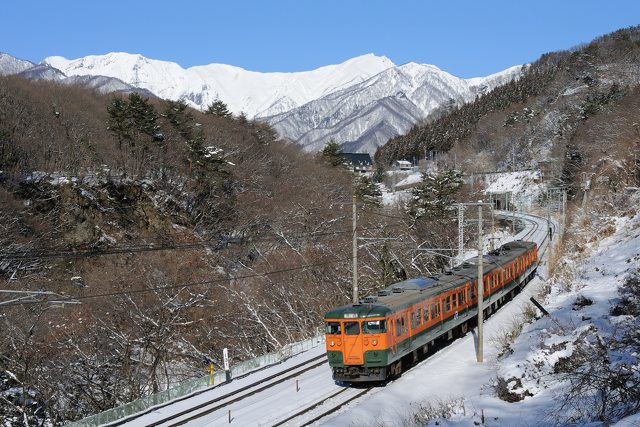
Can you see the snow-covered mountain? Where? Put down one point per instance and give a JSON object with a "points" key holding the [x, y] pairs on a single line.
{"points": [[360, 103], [365, 115], [10, 65], [255, 94]]}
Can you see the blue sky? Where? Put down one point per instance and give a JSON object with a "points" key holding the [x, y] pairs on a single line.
{"points": [[465, 38]]}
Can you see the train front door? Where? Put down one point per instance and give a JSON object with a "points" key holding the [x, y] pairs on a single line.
{"points": [[353, 343]]}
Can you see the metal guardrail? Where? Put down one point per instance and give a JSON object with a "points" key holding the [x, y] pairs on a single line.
{"points": [[196, 385]]}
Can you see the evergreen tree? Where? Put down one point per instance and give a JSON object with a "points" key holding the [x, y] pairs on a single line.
{"points": [[433, 197], [128, 118], [143, 115], [368, 192], [219, 109], [332, 154], [378, 176], [118, 121], [179, 117]]}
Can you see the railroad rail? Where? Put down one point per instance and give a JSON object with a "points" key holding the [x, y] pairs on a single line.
{"points": [[335, 408], [345, 395], [214, 404]]}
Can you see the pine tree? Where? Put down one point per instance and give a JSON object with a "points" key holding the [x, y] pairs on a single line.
{"points": [[332, 154], [128, 118], [118, 121], [143, 115], [368, 192], [219, 109], [179, 117], [433, 197]]}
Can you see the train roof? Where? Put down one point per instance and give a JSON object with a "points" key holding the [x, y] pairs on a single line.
{"points": [[409, 292]]}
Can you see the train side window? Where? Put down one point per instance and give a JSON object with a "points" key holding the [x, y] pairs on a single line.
{"points": [[469, 293], [419, 317], [332, 328], [352, 328], [374, 327], [426, 313], [460, 298], [447, 303], [398, 328], [412, 316]]}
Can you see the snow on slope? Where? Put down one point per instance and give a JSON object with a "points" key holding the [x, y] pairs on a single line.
{"points": [[525, 186], [10, 65], [452, 381], [364, 116], [244, 91], [361, 103]]}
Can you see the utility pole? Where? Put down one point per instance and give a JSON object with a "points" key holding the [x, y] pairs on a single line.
{"points": [[493, 226], [461, 232], [549, 214], [355, 254], [513, 214], [564, 210], [479, 354]]}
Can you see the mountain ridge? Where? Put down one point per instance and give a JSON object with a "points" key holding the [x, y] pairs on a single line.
{"points": [[341, 102]]}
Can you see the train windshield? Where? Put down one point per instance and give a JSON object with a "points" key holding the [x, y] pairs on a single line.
{"points": [[332, 328], [374, 326], [352, 328]]}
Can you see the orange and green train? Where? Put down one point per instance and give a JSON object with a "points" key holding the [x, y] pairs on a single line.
{"points": [[374, 339]]}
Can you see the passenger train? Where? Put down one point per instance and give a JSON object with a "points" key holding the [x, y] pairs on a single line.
{"points": [[383, 334]]}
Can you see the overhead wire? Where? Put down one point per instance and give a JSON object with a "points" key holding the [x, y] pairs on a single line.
{"points": [[53, 253], [190, 284]]}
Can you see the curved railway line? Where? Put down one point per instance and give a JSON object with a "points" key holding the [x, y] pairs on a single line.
{"points": [[333, 399]]}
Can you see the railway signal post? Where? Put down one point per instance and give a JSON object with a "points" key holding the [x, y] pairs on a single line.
{"points": [[355, 254], [479, 351]]}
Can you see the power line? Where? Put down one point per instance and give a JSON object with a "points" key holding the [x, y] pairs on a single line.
{"points": [[192, 284], [65, 253]]}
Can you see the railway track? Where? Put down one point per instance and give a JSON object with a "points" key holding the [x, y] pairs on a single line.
{"points": [[208, 406], [351, 396], [333, 399], [222, 402]]}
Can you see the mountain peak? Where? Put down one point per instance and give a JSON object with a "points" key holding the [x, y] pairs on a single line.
{"points": [[12, 65]]}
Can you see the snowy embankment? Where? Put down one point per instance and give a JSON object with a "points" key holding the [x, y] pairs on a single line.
{"points": [[525, 186], [566, 365], [579, 365]]}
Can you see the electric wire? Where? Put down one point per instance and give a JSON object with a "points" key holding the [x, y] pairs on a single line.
{"points": [[189, 284], [65, 253]]}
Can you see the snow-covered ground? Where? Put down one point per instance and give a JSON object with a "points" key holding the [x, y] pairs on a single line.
{"points": [[452, 389], [384, 405], [525, 186], [452, 381]]}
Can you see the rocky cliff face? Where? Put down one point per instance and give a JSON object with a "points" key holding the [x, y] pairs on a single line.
{"points": [[364, 116]]}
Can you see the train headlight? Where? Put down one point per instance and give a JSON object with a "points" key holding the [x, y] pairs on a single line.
{"points": [[332, 343], [374, 342], [365, 341]]}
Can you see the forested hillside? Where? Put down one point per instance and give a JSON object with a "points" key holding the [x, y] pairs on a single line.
{"points": [[168, 234], [568, 111]]}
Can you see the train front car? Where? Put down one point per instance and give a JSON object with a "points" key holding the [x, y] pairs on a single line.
{"points": [[383, 334], [357, 342]]}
